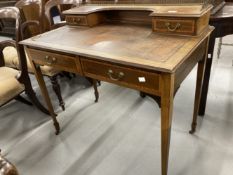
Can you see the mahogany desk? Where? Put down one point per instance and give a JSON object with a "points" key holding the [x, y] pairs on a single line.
{"points": [[223, 23], [127, 55]]}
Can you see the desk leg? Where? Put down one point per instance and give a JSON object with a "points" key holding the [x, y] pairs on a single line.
{"points": [[45, 94], [199, 86], [167, 82], [205, 85], [31, 94]]}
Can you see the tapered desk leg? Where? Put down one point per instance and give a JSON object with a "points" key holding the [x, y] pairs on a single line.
{"points": [[32, 95], [199, 86], [27, 82], [205, 84], [166, 118], [45, 94], [200, 77]]}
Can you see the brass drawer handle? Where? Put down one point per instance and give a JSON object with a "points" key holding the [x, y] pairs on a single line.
{"points": [[50, 60], [112, 76], [169, 26]]}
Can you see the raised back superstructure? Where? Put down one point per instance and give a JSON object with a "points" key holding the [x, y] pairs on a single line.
{"points": [[173, 19], [217, 4]]}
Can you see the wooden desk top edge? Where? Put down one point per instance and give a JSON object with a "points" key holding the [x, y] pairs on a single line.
{"points": [[168, 66]]}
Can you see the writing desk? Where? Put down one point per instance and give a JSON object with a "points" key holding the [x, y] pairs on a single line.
{"points": [[129, 55]]}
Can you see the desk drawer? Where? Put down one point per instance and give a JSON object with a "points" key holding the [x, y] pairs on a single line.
{"points": [[129, 77], [76, 20], [58, 61], [183, 27]]}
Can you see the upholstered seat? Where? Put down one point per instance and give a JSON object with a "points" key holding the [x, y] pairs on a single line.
{"points": [[9, 86], [11, 57], [11, 60], [14, 82]]}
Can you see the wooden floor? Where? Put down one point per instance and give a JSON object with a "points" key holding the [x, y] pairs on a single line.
{"points": [[120, 135]]}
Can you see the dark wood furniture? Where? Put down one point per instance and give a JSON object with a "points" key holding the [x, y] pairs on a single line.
{"points": [[31, 12], [32, 15], [223, 23], [123, 49], [22, 77], [53, 11], [6, 167], [7, 26]]}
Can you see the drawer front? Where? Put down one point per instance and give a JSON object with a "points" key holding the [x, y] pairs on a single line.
{"points": [[129, 77], [76, 20], [58, 61], [185, 27]]}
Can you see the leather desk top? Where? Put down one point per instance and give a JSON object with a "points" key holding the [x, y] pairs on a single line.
{"points": [[126, 44]]}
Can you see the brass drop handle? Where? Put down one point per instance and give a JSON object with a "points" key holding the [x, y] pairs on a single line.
{"points": [[169, 26], [114, 77], [50, 60]]}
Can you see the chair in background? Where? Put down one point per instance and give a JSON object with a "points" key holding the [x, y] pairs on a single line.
{"points": [[30, 12], [11, 85], [53, 11], [14, 82], [33, 25], [7, 26]]}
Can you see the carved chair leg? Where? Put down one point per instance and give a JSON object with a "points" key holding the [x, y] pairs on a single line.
{"points": [[57, 90], [23, 100], [94, 83], [96, 90]]}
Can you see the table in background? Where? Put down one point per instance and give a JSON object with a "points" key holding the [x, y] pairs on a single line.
{"points": [[223, 23]]}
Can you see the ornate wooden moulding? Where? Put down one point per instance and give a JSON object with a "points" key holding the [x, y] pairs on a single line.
{"points": [[183, 19]]}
